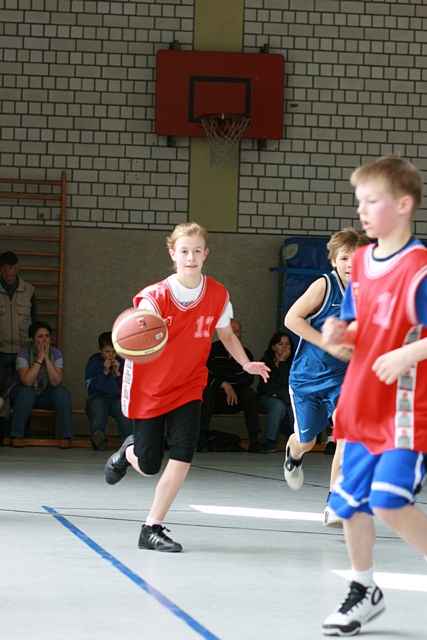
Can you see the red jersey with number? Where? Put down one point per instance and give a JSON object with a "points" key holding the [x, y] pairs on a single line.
{"points": [[179, 374], [384, 416]]}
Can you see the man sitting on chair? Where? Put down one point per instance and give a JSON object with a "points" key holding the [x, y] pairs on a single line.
{"points": [[229, 390]]}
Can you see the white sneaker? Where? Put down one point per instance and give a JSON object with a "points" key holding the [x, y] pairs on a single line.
{"points": [[292, 468], [330, 518], [360, 605]]}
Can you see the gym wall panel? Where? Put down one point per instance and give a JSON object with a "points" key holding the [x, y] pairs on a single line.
{"points": [[218, 26]]}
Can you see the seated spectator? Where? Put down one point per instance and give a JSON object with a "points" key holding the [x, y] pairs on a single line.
{"points": [[229, 390], [273, 395], [103, 377], [40, 371], [17, 311]]}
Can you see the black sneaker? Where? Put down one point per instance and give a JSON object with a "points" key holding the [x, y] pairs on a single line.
{"points": [[361, 605], [117, 465], [154, 538]]}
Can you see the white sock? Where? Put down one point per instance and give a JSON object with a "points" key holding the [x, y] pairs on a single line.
{"points": [[151, 521], [363, 577]]}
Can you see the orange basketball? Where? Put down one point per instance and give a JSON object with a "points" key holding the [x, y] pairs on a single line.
{"points": [[139, 335]]}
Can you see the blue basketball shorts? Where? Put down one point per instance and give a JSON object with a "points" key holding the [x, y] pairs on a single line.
{"points": [[388, 480], [313, 410]]}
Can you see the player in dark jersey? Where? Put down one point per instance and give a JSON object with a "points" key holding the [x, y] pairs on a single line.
{"points": [[316, 375]]}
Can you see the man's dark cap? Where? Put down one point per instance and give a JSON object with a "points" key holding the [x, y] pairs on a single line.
{"points": [[9, 258]]}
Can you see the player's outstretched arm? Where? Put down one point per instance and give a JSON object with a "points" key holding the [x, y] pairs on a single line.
{"points": [[391, 365], [234, 347]]}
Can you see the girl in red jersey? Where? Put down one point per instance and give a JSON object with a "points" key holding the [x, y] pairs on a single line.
{"points": [[164, 397]]}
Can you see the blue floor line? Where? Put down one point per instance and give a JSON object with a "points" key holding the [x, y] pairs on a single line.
{"points": [[135, 578]]}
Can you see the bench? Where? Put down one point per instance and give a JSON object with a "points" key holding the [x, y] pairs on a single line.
{"points": [[240, 430], [82, 442]]}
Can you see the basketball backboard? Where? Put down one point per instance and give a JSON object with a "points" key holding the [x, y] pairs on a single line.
{"points": [[191, 84]]}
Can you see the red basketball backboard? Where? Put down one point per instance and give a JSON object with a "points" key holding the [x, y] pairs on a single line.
{"points": [[190, 84]]}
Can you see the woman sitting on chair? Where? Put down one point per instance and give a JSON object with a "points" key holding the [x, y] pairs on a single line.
{"points": [[40, 371]]}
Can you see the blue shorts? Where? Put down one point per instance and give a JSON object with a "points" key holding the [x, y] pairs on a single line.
{"points": [[389, 480], [313, 411]]}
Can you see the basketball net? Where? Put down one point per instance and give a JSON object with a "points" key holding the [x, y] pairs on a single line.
{"points": [[224, 132]]}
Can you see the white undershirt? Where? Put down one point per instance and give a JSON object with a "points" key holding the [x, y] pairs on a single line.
{"points": [[185, 296]]}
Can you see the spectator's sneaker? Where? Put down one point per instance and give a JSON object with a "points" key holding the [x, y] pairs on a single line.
{"points": [[117, 464], [154, 538], [254, 447], [269, 446], [294, 475], [361, 605], [99, 441], [330, 518]]}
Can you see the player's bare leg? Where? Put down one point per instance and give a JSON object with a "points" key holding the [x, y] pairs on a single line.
{"points": [[359, 531], [167, 487], [364, 600], [166, 490], [292, 466], [409, 522], [153, 532], [329, 517], [336, 464]]}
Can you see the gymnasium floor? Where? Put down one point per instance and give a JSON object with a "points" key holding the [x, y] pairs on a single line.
{"points": [[71, 568]]}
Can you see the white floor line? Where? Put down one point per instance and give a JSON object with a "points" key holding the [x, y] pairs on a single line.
{"points": [[395, 581], [247, 512]]}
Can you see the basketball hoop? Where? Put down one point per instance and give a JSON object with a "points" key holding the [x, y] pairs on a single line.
{"points": [[223, 131]]}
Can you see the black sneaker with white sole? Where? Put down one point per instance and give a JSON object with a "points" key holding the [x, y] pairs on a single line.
{"points": [[361, 605], [117, 464], [292, 468], [154, 538]]}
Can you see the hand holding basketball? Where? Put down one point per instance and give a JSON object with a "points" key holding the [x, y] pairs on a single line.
{"points": [[139, 335]]}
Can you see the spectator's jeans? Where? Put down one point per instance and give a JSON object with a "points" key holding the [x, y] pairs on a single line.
{"points": [[98, 408], [25, 399], [279, 417]]}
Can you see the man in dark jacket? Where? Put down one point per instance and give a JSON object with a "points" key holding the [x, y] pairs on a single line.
{"points": [[229, 390], [103, 378]]}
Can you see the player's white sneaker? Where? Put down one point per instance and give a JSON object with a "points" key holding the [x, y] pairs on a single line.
{"points": [[360, 605], [292, 468], [330, 518]]}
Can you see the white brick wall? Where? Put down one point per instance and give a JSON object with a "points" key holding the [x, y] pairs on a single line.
{"points": [[356, 88], [77, 93]]}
